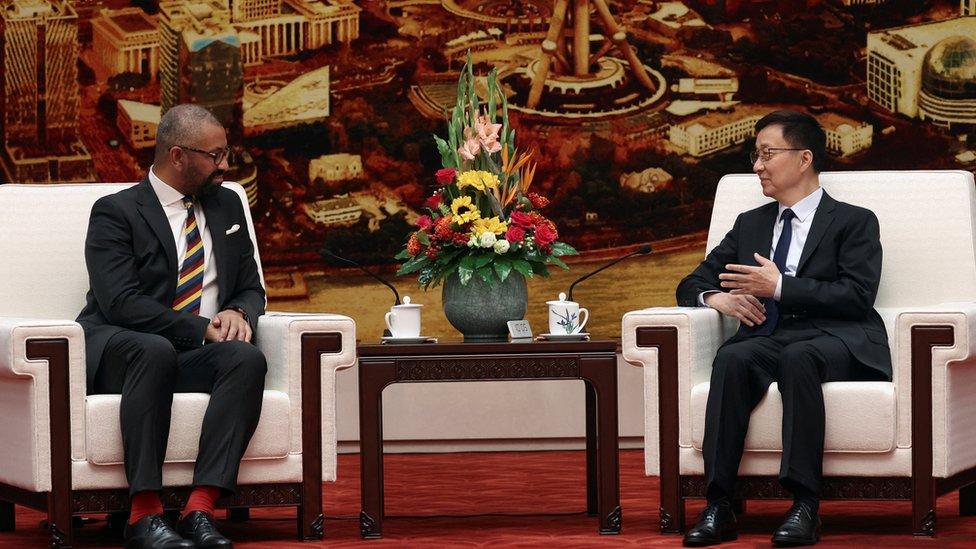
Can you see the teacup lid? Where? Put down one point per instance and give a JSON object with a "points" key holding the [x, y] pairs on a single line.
{"points": [[560, 301], [406, 303]]}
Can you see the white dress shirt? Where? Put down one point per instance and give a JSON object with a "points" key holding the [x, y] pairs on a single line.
{"points": [[803, 211], [172, 203]]}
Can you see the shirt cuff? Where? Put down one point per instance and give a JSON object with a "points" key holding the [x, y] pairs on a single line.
{"points": [[779, 288], [701, 297]]}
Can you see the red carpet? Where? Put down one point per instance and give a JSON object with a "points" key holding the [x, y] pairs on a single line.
{"points": [[530, 499]]}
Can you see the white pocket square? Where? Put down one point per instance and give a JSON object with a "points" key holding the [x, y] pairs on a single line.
{"points": [[233, 229]]}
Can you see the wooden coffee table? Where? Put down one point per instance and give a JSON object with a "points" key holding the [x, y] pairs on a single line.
{"points": [[594, 362]]}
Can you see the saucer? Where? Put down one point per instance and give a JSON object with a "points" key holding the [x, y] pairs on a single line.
{"points": [[418, 339], [581, 336]]}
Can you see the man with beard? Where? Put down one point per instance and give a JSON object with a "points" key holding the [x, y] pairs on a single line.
{"points": [[174, 300]]}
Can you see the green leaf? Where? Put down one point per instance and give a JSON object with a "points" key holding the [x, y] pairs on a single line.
{"points": [[483, 259], [404, 254], [465, 274], [414, 265], [523, 267], [423, 238], [558, 262], [447, 153], [468, 262], [561, 248], [503, 266], [486, 274], [540, 269]]}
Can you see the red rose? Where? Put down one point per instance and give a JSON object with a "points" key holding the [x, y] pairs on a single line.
{"points": [[434, 201], [521, 219], [424, 222], [545, 236], [445, 176], [538, 201], [413, 245], [514, 234]]}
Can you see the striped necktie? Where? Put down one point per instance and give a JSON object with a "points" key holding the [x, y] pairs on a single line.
{"points": [[189, 287]]}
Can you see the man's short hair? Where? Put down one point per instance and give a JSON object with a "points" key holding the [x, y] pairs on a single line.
{"points": [[800, 130], [180, 126]]}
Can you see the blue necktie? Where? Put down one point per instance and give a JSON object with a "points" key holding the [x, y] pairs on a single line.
{"points": [[779, 258]]}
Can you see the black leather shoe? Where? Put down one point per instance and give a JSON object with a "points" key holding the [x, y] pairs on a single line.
{"points": [[202, 529], [153, 532], [800, 527], [716, 524]]}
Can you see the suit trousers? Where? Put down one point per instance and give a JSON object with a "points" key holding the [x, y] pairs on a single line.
{"points": [[146, 370], [799, 357]]}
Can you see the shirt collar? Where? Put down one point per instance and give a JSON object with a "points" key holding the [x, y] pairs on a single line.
{"points": [[167, 195], [804, 208]]}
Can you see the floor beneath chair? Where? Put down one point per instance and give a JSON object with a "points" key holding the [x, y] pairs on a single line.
{"points": [[529, 499]]}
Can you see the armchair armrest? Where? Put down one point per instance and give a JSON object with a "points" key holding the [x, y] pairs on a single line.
{"points": [[42, 364], [940, 338], [675, 346], [287, 340]]}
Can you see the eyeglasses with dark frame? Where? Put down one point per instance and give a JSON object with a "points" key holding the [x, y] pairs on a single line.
{"points": [[767, 154], [217, 157]]}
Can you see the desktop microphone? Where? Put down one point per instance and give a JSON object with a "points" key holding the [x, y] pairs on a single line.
{"points": [[327, 252], [645, 249]]}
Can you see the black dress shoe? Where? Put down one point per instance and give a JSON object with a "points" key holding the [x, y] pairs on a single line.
{"points": [[201, 528], [153, 532], [716, 524], [800, 527]]}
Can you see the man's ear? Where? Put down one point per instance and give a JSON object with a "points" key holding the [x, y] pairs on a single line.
{"points": [[806, 159]]}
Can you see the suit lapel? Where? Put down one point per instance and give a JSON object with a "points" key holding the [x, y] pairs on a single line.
{"points": [[761, 232], [152, 211], [821, 220], [217, 225]]}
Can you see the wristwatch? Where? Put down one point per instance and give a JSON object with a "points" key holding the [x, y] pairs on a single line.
{"points": [[240, 310]]}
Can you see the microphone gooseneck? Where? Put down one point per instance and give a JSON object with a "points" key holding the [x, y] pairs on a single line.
{"points": [[643, 250], [327, 252]]}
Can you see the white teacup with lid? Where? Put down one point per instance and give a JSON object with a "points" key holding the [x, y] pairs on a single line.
{"points": [[566, 317], [403, 320]]}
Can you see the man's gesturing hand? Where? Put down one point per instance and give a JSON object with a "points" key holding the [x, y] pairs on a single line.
{"points": [[746, 308], [230, 325], [753, 281]]}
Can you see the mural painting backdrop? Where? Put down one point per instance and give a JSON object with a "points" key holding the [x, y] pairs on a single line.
{"points": [[331, 105]]}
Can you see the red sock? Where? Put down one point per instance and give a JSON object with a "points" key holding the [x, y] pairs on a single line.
{"points": [[202, 498], [144, 504]]}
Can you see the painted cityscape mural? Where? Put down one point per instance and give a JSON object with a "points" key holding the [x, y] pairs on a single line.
{"points": [[331, 106]]}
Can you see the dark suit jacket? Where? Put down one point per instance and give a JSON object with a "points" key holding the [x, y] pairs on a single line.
{"points": [[132, 270], [836, 281]]}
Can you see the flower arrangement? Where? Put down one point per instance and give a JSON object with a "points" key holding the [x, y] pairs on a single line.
{"points": [[482, 220]]}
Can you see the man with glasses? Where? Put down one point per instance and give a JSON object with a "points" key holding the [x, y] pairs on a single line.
{"points": [[174, 300], [801, 274]]}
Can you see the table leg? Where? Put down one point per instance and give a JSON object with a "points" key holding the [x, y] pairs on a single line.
{"points": [[373, 378], [592, 482], [601, 374]]}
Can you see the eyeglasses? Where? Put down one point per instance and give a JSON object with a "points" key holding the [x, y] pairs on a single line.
{"points": [[217, 157], [767, 154]]}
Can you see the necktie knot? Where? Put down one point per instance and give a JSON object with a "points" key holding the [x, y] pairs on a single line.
{"points": [[787, 215], [188, 202]]}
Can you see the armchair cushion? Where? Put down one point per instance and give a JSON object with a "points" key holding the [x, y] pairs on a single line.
{"points": [[860, 418], [103, 434]]}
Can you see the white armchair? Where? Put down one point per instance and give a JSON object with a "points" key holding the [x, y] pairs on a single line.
{"points": [[61, 449], [911, 439]]}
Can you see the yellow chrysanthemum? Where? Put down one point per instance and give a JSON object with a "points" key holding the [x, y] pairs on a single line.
{"points": [[478, 179], [464, 210], [489, 225]]}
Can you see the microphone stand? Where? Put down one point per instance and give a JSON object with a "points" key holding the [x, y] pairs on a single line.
{"points": [[396, 295], [645, 249]]}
